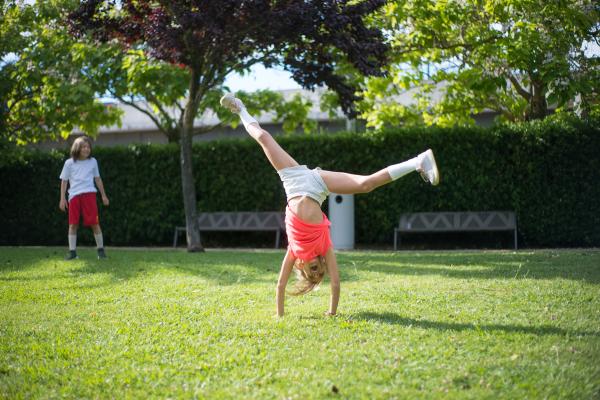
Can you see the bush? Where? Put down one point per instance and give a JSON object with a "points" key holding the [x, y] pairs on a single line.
{"points": [[548, 172]]}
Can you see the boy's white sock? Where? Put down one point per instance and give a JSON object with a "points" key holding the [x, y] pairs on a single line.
{"points": [[72, 242], [399, 170], [99, 240]]}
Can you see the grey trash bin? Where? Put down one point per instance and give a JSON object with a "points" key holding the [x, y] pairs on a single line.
{"points": [[341, 215]]}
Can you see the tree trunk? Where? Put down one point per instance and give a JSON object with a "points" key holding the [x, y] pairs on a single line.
{"points": [[538, 104], [174, 135], [187, 177]]}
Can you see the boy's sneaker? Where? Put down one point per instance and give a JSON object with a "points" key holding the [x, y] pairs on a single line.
{"points": [[101, 254], [71, 255], [428, 168], [232, 103]]}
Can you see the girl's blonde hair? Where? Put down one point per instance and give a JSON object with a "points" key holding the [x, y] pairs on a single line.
{"points": [[309, 275], [76, 147]]}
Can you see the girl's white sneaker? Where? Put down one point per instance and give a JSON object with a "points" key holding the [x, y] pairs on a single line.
{"points": [[232, 103], [428, 168]]}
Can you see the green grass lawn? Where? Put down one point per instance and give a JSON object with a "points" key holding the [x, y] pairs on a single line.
{"points": [[168, 324]]}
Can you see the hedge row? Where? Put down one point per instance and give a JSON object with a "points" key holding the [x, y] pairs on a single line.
{"points": [[548, 172]]}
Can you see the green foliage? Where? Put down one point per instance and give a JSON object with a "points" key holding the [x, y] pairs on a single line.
{"points": [[518, 58], [295, 113], [48, 81], [545, 171], [169, 324]]}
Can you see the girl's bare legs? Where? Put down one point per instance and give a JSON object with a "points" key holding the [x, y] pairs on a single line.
{"points": [[337, 182], [278, 157], [344, 183]]}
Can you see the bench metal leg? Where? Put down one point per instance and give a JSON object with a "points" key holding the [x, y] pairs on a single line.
{"points": [[395, 240], [277, 237], [176, 235], [515, 238]]}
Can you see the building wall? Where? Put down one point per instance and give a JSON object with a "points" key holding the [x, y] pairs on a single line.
{"points": [[125, 138], [137, 128]]}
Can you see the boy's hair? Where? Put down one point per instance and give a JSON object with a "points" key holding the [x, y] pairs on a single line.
{"points": [[76, 147], [309, 276]]}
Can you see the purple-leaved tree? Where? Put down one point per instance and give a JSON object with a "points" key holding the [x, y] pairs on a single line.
{"points": [[311, 39]]}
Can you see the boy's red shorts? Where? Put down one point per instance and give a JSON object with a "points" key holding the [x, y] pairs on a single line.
{"points": [[83, 205]]}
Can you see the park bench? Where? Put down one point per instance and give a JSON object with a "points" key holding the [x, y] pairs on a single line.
{"points": [[239, 221], [468, 221]]}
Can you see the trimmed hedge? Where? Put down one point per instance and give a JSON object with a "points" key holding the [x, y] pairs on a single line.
{"points": [[548, 172]]}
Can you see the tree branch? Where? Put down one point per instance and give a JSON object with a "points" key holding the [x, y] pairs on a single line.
{"points": [[181, 116], [19, 99], [202, 130], [239, 65], [517, 85], [448, 46], [140, 109], [503, 110], [164, 113], [204, 85], [495, 103]]}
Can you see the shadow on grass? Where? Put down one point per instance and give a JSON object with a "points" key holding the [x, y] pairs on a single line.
{"points": [[241, 267], [572, 265], [220, 267], [396, 319]]}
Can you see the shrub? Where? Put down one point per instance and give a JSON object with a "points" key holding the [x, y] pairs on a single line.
{"points": [[548, 172]]}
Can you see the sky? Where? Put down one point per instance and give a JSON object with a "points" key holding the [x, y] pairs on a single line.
{"points": [[258, 78], [277, 79], [261, 78]]}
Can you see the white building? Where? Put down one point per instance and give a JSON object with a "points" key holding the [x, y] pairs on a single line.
{"points": [[137, 128]]}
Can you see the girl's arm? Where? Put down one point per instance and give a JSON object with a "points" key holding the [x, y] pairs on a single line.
{"points": [[62, 204], [286, 269], [100, 187], [334, 277]]}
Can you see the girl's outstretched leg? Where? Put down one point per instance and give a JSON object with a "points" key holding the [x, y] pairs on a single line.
{"points": [[278, 157], [344, 183]]}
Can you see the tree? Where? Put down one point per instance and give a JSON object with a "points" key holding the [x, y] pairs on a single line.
{"points": [[212, 39], [51, 83], [47, 86], [514, 57], [157, 89]]}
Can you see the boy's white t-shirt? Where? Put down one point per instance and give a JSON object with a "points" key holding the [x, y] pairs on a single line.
{"points": [[80, 174]]}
